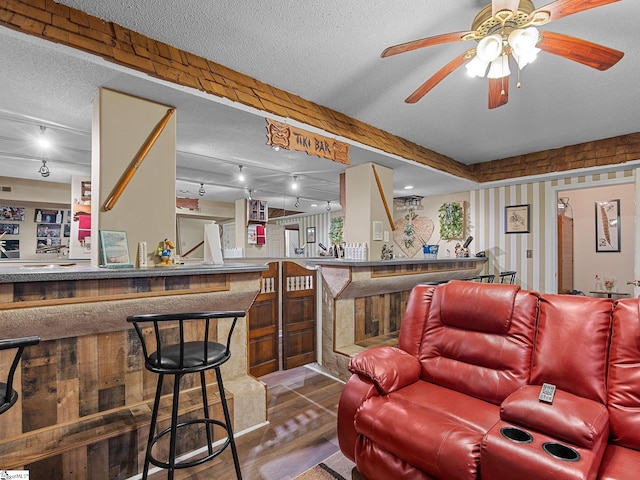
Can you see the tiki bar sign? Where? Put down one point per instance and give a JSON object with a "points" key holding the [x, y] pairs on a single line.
{"points": [[292, 138]]}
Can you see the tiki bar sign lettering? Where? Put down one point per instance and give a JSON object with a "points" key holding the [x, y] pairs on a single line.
{"points": [[292, 138]]}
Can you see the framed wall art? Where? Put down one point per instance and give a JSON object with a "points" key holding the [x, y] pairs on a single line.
{"points": [[114, 249], [608, 226], [311, 234], [517, 219]]}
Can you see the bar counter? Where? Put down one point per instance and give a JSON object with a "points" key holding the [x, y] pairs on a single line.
{"points": [[84, 395], [363, 301]]}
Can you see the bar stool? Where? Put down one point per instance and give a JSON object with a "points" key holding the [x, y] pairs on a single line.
{"points": [[508, 277], [8, 396], [188, 355], [482, 278]]}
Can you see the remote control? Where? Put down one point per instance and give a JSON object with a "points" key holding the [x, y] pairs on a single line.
{"points": [[547, 392]]}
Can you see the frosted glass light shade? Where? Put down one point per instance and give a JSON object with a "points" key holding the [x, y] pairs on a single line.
{"points": [[489, 48], [499, 68], [476, 67]]}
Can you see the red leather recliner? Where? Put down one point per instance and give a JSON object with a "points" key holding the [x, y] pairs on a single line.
{"points": [[421, 410], [458, 398], [622, 456]]}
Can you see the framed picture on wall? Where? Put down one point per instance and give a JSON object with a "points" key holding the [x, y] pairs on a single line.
{"points": [[608, 226], [311, 234], [517, 219]]}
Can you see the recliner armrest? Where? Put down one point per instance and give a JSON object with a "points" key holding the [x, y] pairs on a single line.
{"points": [[389, 368], [570, 418]]}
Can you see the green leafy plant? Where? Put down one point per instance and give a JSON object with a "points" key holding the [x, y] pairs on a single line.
{"points": [[335, 230], [451, 216]]}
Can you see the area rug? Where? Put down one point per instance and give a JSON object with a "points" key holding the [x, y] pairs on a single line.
{"points": [[336, 467]]}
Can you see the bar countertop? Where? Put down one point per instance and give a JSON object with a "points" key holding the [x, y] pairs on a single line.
{"points": [[340, 262], [79, 271]]}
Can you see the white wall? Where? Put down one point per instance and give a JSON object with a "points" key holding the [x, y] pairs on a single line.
{"points": [[587, 262]]}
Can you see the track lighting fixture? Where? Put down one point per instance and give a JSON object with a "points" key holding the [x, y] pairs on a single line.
{"points": [[202, 191], [44, 170], [250, 191], [294, 184], [328, 205], [297, 202], [241, 176]]}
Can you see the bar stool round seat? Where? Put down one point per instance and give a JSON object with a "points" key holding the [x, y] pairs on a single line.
{"points": [[8, 395], [178, 356]]}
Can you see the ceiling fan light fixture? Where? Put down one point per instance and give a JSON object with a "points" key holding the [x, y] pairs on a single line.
{"points": [[489, 48], [499, 68], [476, 67]]}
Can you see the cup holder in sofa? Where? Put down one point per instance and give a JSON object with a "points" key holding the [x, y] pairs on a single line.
{"points": [[516, 435], [561, 452]]}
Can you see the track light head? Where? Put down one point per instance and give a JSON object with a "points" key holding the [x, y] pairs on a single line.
{"points": [[44, 170]]}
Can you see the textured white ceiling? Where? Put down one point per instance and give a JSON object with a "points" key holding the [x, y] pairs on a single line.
{"points": [[329, 53]]}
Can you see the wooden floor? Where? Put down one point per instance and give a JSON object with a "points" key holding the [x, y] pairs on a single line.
{"points": [[302, 406]]}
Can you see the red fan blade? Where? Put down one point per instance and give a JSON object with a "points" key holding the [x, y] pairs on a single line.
{"points": [[440, 75], [500, 5], [563, 8], [498, 92], [427, 42], [578, 50]]}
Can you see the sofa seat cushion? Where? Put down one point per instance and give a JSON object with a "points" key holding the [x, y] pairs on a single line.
{"points": [[573, 419], [619, 463], [470, 411], [426, 438]]}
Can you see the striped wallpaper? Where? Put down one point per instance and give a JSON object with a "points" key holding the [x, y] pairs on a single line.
{"points": [[508, 251], [321, 221]]}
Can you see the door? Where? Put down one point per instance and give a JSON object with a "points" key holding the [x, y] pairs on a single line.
{"points": [[565, 254], [298, 315], [263, 325]]}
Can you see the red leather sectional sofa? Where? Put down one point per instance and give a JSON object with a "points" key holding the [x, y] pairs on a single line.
{"points": [[459, 397]]}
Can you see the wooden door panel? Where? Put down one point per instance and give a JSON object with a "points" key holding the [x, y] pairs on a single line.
{"points": [[298, 315], [263, 326]]}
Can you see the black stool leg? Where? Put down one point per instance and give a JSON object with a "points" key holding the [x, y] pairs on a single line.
{"points": [[227, 419], [152, 426], [174, 426], [205, 404]]}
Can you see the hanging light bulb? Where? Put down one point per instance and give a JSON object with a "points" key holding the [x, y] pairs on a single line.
{"points": [[43, 141], [250, 194], [44, 170], [294, 184], [241, 176], [202, 191], [328, 205], [297, 204]]}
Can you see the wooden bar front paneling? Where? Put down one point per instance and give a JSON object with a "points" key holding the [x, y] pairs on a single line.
{"points": [[363, 302], [85, 397]]}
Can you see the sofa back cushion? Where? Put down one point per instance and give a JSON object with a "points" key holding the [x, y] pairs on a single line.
{"points": [[624, 374], [471, 337], [572, 345]]}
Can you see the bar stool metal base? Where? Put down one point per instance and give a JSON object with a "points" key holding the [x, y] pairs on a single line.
{"points": [[171, 465]]}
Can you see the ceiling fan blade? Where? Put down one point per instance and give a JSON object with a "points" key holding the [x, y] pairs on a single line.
{"points": [[440, 75], [498, 92], [578, 50], [500, 5], [428, 42], [563, 8]]}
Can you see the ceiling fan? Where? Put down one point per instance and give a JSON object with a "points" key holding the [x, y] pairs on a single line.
{"points": [[508, 29]]}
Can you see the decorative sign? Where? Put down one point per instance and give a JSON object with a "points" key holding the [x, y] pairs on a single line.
{"points": [[292, 138]]}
